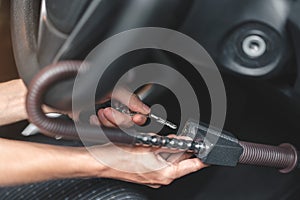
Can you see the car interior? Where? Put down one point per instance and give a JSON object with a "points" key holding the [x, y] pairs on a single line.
{"points": [[255, 45]]}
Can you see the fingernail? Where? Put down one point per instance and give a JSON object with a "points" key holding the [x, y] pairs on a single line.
{"points": [[139, 119], [94, 120], [146, 108], [107, 111]]}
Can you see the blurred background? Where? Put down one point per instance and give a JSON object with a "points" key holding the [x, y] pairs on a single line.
{"points": [[8, 69]]}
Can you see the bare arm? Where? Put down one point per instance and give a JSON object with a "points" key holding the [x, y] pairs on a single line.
{"points": [[13, 97], [23, 162], [12, 102]]}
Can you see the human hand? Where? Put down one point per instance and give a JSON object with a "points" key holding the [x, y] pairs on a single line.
{"points": [[112, 118], [146, 166]]}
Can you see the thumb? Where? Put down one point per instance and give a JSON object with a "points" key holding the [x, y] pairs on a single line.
{"points": [[188, 166], [136, 105], [132, 101]]}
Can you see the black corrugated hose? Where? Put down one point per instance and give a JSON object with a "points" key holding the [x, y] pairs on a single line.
{"points": [[283, 157], [45, 79]]}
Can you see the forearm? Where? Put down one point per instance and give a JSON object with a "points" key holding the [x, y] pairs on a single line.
{"points": [[12, 102], [22, 162]]}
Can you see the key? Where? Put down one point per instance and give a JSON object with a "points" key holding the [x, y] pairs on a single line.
{"points": [[163, 121]]}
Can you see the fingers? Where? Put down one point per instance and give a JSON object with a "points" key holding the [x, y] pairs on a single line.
{"points": [[173, 172], [111, 118], [180, 137], [132, 101], [154, 186], [94, 120], [104, 121], [139, 119], [159, 174], [136, 105], [186, 167], [176, 158]]}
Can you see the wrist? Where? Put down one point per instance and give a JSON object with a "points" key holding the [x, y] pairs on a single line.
{"points": [[12, 98], [87, 166]]}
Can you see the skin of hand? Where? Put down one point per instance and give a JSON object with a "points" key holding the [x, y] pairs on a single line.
{"points": [[145, 166], [25, 162], [13, 98], [112, 118]]}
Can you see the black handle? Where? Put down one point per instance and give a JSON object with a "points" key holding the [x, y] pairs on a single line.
{"points": [[283, 157]]}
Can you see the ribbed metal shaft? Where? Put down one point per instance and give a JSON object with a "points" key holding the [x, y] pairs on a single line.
{"points": [[283, 157], [170, 143]]}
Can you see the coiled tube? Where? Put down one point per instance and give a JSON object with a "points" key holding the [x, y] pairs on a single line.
{"points": [[61, 71], [42, 82], [283, 157]]}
